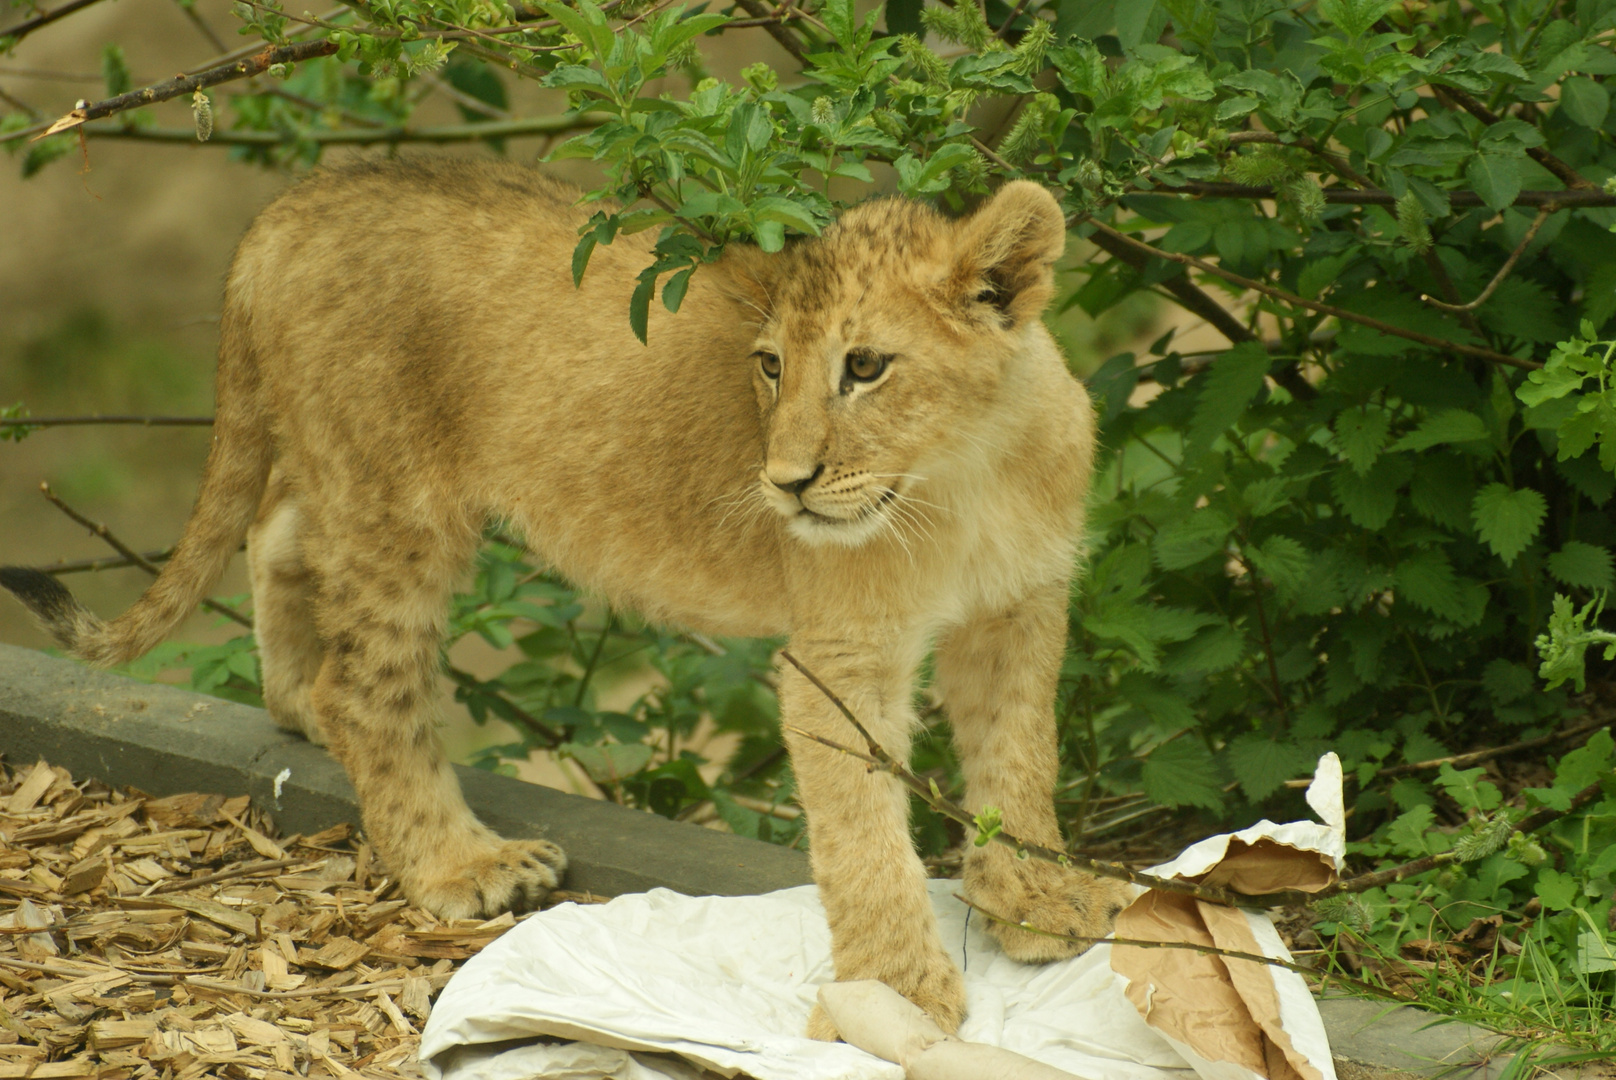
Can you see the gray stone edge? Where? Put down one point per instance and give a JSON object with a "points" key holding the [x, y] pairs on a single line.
{"points": [[166, 740]]}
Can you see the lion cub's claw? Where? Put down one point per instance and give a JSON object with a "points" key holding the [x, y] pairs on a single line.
{"points": [[514, 875]]}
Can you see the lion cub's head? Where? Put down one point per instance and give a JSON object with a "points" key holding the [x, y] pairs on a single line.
{"points": [[882, 347]]}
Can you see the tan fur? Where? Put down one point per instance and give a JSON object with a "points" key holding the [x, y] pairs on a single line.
{"points": [[404, 345]]}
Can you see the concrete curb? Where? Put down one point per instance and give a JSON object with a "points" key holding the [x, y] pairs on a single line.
{"points": [[165, 741]]}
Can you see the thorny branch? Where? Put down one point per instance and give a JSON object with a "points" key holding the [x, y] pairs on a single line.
{"points": [[1311, 305]]}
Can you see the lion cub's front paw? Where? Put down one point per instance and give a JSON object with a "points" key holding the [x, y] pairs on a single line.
{"points": [[514, 875], [938, 988], [1048, 897]]}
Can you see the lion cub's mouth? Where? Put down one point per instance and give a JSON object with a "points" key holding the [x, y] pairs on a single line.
{"points": [[865, 511]]}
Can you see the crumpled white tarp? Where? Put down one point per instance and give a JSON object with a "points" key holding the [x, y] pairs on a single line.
{"points": [[658, 986], [727, 982]]}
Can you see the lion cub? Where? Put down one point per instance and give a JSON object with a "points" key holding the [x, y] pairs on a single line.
{"points": [[868, 442]]}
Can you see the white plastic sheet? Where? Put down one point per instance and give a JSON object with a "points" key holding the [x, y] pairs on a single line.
{"points": [[657, 986]]}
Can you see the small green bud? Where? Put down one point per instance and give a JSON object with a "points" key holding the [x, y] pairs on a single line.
{"points": [[760, 77], [823, 113]]}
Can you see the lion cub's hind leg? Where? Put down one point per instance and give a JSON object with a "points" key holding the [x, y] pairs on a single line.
{"points": [[385, 585], [289, 649], [998, 675]]}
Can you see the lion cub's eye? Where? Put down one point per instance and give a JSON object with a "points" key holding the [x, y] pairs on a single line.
{"points": [[866, 366], [770, 363]]}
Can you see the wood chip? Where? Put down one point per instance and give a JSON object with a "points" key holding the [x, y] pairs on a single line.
{"points": [[144, 939]]}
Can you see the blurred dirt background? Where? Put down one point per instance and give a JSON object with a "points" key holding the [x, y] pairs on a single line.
{"points": [[109, 290]]}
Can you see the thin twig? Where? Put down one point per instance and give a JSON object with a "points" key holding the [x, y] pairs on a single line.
{"points": [[1311, 305], [787, 37], [878, 757], [144, 421], [245, 68], [1503, 271], [1476, 757], [28, 26], [1015, 13], [133, 556], [466, 679], [451, 133], [225, 875], [1189, 946], [201, 27], [111, 562], [1209, 189]]}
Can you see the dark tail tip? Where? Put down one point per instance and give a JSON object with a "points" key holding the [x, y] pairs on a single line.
{"points": [[44, 595]]}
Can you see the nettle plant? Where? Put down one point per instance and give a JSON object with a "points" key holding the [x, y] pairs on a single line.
{"points": [[1346, 528]]}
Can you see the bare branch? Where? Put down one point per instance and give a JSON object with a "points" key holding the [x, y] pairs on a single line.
{"points": [[28, 26], [450, 133], [111, 562], [245, 68], [1375, 197], [879, 758], [144, 421], [774, 25], [134, 557], [1503, 271], [1204, 950], [1311, 305]]}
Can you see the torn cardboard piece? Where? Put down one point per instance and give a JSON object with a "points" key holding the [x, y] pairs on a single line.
{"points": [[1236, 1019]]}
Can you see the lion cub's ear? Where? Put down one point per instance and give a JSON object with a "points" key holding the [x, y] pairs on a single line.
{"points": [[747, 275], [1005, 253]]}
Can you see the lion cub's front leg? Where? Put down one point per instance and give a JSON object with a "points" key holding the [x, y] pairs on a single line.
{"points": [[997, 675], [870, 880]]}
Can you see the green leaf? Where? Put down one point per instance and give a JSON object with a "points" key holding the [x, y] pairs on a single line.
{"points": [[1188, 540], [1506, 681], [1468, 789], [1283, 561], [1585, 102], [1227, 388], [1557, 891], [1360, 435], [1582, 566], [1182, 773], [1408, 834], [1262, 764], [1369, 500], [1508, 520], [1446, 426], [1496, 178], [639, 305], [1595, 952], [1426, 580]]}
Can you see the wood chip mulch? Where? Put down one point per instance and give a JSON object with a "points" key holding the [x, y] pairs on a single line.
{"points": [[176, 938]]}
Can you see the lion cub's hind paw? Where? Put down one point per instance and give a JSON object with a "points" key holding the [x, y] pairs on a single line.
{"points": [[515, 876]]}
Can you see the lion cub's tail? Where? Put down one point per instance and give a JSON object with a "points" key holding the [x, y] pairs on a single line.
{"points": [[233, 483]]}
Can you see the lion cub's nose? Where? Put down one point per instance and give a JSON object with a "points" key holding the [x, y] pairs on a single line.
{"points": [[792, 479]]}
